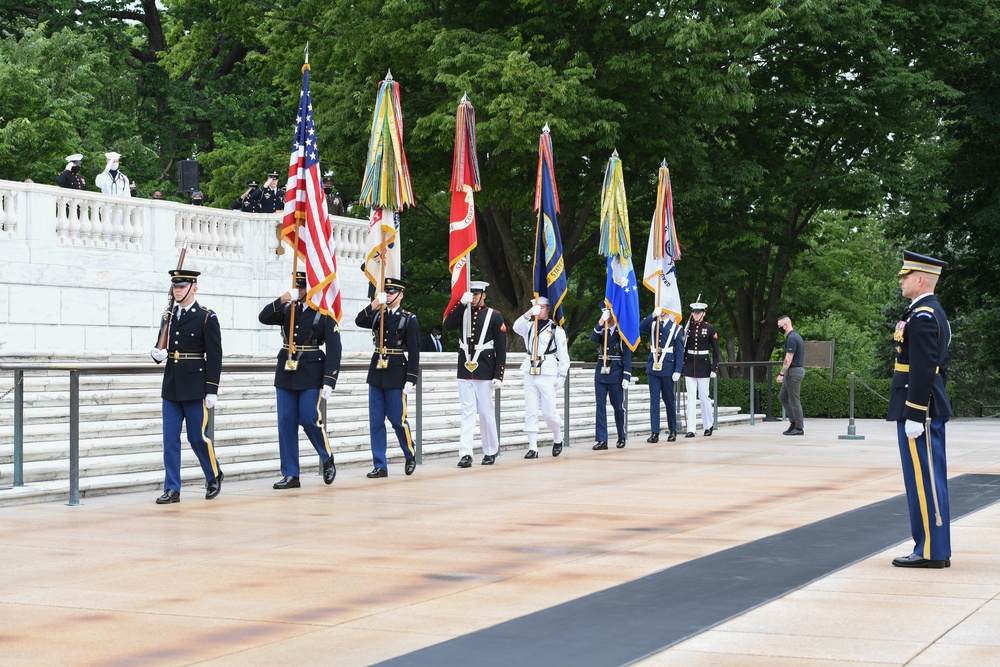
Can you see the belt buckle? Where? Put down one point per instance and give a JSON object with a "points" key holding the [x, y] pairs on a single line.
{"points": [[383, 362], [471, 365], [657, 366], [535, 370], [605, 370]]}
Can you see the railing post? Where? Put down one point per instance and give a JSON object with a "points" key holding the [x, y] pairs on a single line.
{"points": [[566, 409], [769, 417], [852, 433], [18, 428], [752, 410], [420, 417], [74, 438]]}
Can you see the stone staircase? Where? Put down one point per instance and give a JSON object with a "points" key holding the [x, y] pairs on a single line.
{"points": [[120, 427]]}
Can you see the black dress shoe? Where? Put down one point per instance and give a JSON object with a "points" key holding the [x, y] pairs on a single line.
{"points": [[556, 448], [464, 462], [169, 496], [287, 483], [708, 431], [531, 454], [916, 560], [377, 472], [788, 431], [653, 438], [329, 471], [600, 446], [489, 459], [797, 431], [621, 443], [411, 465], [690, 434], [214, 486], [672, 437]]}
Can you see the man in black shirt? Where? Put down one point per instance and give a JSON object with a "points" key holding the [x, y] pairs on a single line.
{"points": [[790, 376]]}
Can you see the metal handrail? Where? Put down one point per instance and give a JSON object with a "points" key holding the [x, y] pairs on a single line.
{"points": [[768, 414], [76, 370]]}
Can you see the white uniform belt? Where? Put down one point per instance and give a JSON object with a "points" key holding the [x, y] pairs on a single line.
{"points": [[302, 348], [609, 357], [488, 345], [697, 351]]}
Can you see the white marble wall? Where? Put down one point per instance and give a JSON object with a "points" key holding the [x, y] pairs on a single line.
{"points": [[83, 271]]}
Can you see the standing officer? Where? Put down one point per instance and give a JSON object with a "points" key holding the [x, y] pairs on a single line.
{"points": [[700, 339], [249, 201], [545, 367], [392, 375], [190, 384], [302, 380], [111, 181], [70, 176], [612, 376], [666, 360], [481, 361], [334, 202], [269, 201], [920, 407]]}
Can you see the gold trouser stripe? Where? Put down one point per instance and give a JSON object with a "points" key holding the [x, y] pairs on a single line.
{"points": [[406, 429], [319, 423], [208, 441], [921, 497]]}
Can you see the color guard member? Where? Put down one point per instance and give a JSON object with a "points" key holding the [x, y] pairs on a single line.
{"points": [[700, 340], [663, 369], [612, 377]]}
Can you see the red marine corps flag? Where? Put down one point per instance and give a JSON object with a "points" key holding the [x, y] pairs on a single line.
{"points": [[464, 181], [306, 222]]}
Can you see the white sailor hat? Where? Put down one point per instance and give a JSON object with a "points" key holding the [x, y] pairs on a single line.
{"points": [[112, 156], [478, 286], [75, 157], [540, 301]]}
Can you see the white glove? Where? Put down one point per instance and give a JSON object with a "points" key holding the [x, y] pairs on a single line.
{"points": [[536, 311], [380, 298], [409, 388], [560, 381], [286, 297], [466, 299], [658, 312], [495, 383], [605, 315], [211, 400], [712, 375], [913, 429], [675, 377], [326, 393], [158, 354], [625, 384]]}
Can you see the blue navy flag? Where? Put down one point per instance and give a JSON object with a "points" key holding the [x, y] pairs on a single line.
{"points": [[549, 268], [622, 298]]}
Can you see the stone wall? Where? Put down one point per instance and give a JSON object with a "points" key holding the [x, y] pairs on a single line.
{"points": [[84, 271]]}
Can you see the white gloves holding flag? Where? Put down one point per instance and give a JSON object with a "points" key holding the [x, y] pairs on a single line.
{"points": [[536, 311], [409, 388], [466, 299], [326, 393], [913, 429], [380, 298], [211, 400], [157, 354], [496, 383], [658, 311], [605, 315]]}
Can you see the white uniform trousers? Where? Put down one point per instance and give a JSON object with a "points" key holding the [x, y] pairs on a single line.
{"points": [[540, 390], [706, 404], [477, 395]]}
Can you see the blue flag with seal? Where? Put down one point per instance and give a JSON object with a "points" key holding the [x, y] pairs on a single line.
{"points": [[549, 268], [621, 293]]}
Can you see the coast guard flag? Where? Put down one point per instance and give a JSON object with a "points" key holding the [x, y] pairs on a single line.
{"points": [[549, 269], [305, 225]]}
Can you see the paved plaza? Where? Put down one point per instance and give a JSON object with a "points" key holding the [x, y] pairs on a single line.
{"points": [[368, 571]]}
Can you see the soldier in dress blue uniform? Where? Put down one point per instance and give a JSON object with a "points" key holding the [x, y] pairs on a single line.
{"points": [[920, 407], [302, 381], [190, 384], [482, 356], [393, 373], [249, 201], [612, 376], [269, 199], [666, 360], [700, 341]]}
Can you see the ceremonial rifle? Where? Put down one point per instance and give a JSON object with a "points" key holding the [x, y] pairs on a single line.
{"points": [[161, 343]]}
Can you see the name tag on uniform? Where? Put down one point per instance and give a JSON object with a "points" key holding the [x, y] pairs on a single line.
{"points": [[657, 366], [471, 365]]}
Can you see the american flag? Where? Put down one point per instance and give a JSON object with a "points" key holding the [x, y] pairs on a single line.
{"points": [[306, 222]]}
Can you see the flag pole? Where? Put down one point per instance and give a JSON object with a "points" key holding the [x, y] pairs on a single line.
{"points": [[383, 362], [295, 258]]}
